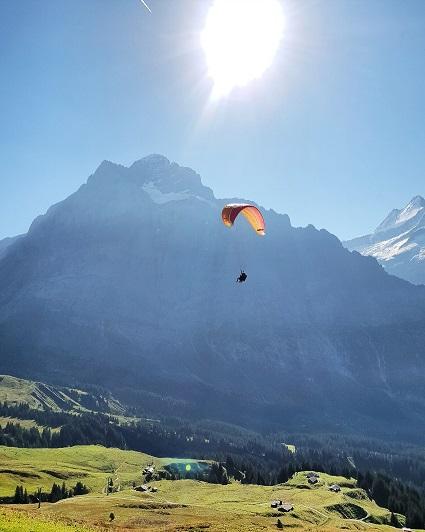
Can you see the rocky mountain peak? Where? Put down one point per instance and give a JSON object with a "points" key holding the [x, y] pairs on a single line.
{"points": [[156, 175], [398, 242]]}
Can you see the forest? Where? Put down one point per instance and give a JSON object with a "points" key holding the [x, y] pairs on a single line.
{"points": [[392, 474]]}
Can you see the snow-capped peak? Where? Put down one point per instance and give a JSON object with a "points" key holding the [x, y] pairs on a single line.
{"points": [[417, 201], [398, 243], [156, 175], [389, 222], [410, 215], [411, 210], [168, 178]]}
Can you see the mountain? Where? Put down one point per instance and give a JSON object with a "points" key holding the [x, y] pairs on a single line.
{"points": [[6, 242], [398, 243], [130, 283], [40, 396]]}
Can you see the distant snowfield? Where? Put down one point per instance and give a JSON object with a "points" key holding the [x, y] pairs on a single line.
{"points": [[408, 213], [398, 243], [161, 198], [388, 249]]}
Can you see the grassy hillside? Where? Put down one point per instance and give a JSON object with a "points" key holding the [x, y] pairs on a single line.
{"points": [[178, 505], [25, 423], [40, 396], [92, 464], [22, 520]]}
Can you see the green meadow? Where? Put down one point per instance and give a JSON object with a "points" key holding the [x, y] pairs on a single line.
{"points": [[177, 505]]}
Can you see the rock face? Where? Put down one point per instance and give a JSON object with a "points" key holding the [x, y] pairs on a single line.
{"points": [[130, 283], [6, 242], [398, 243]]}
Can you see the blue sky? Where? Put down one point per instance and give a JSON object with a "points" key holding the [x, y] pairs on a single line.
{"points": [[333, 134]]}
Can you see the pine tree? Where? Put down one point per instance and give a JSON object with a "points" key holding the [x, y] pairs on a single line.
{"points": [[394, 521], [380, 492], [55, 493], [283, 475], [82, 489], [17, 499]]}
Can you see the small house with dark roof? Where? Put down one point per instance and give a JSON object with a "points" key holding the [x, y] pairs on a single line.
{"points": [[144, 487], [335, 488], [285, 507], [313, 480]]}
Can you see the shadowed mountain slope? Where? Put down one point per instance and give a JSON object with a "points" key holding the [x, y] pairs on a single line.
{"points": [[130, 283]]}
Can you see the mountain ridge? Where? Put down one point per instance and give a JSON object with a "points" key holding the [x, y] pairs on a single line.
{"points": [[398, 242], [114, 288]]}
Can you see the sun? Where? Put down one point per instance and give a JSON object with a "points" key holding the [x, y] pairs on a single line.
{"points": [[240, 40]]}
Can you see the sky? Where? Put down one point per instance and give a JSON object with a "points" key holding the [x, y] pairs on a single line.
{"points": [[332, 134]]}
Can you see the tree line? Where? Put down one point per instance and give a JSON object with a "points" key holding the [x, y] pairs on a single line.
{"points": [[392, 474], [395, 495], [399, 497], [55, 494]]}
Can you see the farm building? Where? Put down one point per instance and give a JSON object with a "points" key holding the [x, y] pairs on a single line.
{"points": [[144, 487], [313, 480], [275, 504], [335, 488], [285, 507]]}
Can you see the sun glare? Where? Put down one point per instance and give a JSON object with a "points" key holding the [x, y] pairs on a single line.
{"points": [[240, 40]]}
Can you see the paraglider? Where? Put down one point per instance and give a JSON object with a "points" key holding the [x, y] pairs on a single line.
{"points": [[231, 211], [242, 277], [229, 214]]}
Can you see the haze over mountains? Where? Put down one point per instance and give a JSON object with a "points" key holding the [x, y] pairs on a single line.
{"points": [[398, 243], [130, 283]]}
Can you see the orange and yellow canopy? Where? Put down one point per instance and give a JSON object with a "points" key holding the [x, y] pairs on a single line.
{"points": [[231, 211]]}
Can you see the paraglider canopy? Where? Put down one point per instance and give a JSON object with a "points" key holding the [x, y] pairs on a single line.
{"points": [[231, 211]]}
